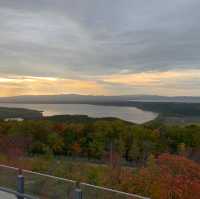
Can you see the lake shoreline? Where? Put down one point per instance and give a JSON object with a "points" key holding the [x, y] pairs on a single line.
{"points": [[129, 114], [167, 112]]}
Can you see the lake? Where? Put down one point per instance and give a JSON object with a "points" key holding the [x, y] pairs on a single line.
{"points": [[131, 114]]}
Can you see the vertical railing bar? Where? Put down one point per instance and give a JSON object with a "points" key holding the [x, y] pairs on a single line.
{"points": [[78, 192], [20, 184]]}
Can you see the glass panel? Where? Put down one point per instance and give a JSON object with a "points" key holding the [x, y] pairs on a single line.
{"points": [[8, 177], [90, 192], [44, 186]]}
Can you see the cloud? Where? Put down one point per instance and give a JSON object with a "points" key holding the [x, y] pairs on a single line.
{"points": [[152, 78], [82, 40], [173, 82], [27, 85]]}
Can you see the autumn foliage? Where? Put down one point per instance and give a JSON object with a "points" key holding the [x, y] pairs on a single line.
{"points": [[155, 160], [167, 177]]}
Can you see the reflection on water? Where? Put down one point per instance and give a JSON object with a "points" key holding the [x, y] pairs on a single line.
{"points": [[126, 113]]}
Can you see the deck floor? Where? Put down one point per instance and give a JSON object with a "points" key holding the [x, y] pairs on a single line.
{"points": [[4, 195]]}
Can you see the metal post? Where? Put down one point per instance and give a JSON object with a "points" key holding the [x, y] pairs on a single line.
{"points": [[78, 192], [20, 184]]}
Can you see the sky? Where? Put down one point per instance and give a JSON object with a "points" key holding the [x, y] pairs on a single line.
{"points": [[99, 47]]}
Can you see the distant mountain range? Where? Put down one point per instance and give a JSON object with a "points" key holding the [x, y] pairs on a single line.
{"points": [[73, 98]]}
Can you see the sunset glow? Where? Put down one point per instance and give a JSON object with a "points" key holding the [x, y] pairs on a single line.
{"points": [[99, 85], [100, 48]]}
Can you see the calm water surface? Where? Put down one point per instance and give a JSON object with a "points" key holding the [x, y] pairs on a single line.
{"points": [[126, 113]]}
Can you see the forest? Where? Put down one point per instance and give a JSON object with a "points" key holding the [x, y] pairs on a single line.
{"points": [[19, 112], [155, 159]]}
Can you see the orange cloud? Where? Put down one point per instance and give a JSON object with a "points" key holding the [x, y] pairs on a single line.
{"points": [[151, 78], [46, 86], [172, 82]]}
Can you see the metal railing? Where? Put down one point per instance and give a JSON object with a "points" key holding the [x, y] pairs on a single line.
{"points": [[33, 185], [9, 182]]}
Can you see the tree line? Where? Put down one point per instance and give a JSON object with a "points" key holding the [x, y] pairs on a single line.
{"points": [[98, 139]]}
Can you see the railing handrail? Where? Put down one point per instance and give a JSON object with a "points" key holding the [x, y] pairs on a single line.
{"points": [[40, 174], [9, 167]]}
